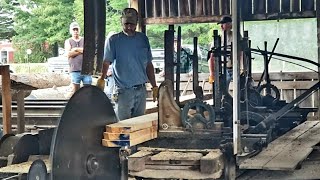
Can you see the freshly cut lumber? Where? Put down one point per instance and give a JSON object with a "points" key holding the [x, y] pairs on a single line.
{"points": [[127, 136], [133, 124], [122, 143]]}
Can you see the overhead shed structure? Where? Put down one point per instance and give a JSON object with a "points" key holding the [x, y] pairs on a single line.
{"points": [[172, 12], [197, 11]]}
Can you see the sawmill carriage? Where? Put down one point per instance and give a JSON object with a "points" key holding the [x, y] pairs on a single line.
{"points": [[194, 139]]}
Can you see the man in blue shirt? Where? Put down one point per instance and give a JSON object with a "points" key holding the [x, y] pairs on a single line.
{"points": [[130, 54]]}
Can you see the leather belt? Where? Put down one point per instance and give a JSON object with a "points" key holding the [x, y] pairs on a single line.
{"points": [[139, 86]]}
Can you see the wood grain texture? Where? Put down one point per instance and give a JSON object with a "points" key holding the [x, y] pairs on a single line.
{"points": [[277, 146], [133, 124]]}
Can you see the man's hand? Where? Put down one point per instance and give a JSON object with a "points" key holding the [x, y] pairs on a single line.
{"points": [[155, 92], [109, 73], [101, 83], [211, 79]]}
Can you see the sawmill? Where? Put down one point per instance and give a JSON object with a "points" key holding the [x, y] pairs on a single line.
{"points": [[249, 131]]}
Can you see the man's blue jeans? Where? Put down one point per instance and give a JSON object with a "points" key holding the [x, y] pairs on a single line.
{"points": [[130, 102]]}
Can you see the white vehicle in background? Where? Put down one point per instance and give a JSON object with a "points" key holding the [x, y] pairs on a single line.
{"points": [[158, 59], [58, 64]]}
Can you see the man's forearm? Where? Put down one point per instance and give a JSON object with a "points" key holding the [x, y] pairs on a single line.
{"points": [[150, 74], [211, 65], [80, 50], [73, 54], [105, 68]]}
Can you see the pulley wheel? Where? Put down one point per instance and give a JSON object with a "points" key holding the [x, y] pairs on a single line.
{"points": [[253, 97], [269, 99], [37, 171], [249, 119], [77, 151], [199, 119]]}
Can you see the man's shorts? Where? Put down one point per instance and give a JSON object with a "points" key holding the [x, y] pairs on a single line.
{"points": [[77, 77]]}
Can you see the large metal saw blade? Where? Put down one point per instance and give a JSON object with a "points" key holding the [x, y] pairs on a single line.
{"points": [[77, 151]]}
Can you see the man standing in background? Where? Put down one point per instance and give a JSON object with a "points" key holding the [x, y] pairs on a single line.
{"points": [[226, 28], [74, 51]]}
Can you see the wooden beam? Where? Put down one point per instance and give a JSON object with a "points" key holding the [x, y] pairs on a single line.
{"points": [[277, 146], [274, 76], [182, 20], [6, 98], [134, 124], [129, 135], [131, 142]]}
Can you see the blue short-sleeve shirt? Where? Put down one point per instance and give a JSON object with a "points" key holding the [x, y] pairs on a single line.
{"points": [[129, 56]]}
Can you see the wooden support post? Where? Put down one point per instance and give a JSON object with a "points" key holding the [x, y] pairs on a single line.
{"points": [[318, 43], [141, 27], [20, 112], [6, 98]]}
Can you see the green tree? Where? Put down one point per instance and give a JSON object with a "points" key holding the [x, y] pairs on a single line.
{"points": [[44, 23], [114, 9], [7, 12]]}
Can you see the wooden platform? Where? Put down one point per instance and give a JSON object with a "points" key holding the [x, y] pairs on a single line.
{"points": [[23, 168], [161, 163], [286, 152]]}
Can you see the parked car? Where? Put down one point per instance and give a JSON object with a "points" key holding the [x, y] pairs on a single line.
{"points": [[58, 64], [158, 58]]}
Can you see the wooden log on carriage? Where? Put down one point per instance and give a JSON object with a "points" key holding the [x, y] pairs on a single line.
{"points": [[29, 82]]}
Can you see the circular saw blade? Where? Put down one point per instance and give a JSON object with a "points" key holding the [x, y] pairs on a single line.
{"points": [[38, 170], [77, 151]]}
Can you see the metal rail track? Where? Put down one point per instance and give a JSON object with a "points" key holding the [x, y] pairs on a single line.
{"points": [[39, 112]]}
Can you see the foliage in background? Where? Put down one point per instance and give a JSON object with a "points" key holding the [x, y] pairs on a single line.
{"points": [[114, 9], [42, 24], [6, 18], [204, 32], [39, 24], [31, 68]]}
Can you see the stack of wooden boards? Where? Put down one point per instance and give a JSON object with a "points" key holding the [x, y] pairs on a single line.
{"points": [[132, 131], [176, 163]]}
